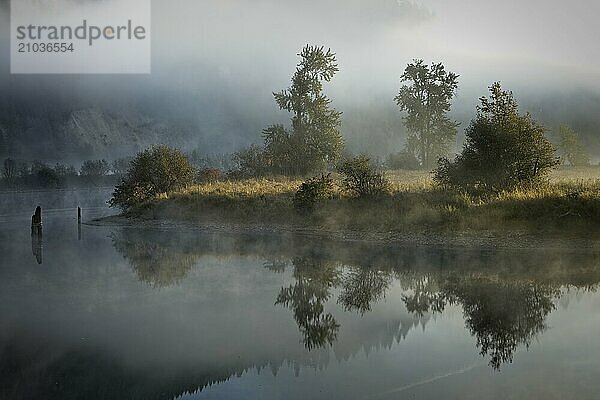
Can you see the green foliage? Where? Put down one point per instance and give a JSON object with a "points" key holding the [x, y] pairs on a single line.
{"points": [[314, 141], [94, 168], [426, 100], [200, 159], [312, 191], [159, 169], [361, 179], [211, 175], [403, 160], [250, 162], [502, 150], [571, 149]]}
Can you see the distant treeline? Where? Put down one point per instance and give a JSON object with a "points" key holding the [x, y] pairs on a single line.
{"points": [[36, 174]]}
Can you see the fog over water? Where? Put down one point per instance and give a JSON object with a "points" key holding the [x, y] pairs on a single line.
{"points": [[216, 63], [109, 312]]}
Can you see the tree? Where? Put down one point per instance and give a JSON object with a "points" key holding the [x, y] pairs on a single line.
{"points": [[121, 166], [64, 170], [159, 169], [503, 148], [44, 176], [250, 162], [402, 160], [314, 141], [10, 169], [426, 100], [315, 136], [94, 168], [571, 149]]}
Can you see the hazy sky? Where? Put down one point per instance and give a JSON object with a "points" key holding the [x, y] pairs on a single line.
{"points": [[512, 40], [236, 52]]}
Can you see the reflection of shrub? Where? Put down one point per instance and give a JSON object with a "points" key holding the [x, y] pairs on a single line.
{"points": [[157, 261], [312, 191], [362, 179], [402, 160], [156, 170]]}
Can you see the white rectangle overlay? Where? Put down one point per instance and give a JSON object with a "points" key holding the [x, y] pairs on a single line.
{"points": [[80, 36]]}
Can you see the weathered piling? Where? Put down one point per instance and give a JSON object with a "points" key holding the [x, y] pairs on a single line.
{"points": [[36, 235], [79, 215], [36, 222]]}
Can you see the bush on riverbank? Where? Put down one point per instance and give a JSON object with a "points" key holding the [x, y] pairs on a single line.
{"points": [[159, 169]]}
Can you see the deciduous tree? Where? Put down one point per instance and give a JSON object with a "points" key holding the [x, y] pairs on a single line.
{"points": [[426, 100]]}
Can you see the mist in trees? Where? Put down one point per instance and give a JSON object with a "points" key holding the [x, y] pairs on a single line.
{"points": [[426, 99], [19, 174], [314, 140], [571, 149]]}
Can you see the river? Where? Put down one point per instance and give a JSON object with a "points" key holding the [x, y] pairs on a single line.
{"points": [[108, 312]]}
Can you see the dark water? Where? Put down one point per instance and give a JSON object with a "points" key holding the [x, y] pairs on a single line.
{"points": [[128, 313]]}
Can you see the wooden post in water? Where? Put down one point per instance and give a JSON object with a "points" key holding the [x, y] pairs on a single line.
{"points": [[78, 223], [36, 222], [36, 234]]}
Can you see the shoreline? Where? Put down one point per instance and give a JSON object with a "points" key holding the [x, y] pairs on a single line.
{"points": [[493, 240]]}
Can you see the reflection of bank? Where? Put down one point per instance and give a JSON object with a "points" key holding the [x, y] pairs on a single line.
{"points": [[221, 322], [505, 296]]}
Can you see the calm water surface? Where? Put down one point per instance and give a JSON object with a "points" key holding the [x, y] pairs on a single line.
{"points": [[123, 313]]}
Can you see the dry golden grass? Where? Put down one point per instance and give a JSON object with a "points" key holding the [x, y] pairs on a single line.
{"points": [[569, 202]]}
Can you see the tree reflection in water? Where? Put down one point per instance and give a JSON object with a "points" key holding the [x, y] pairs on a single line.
{"points": [[314, 280], [501, 314], [156, 261], [362, 287], [502, 310]]}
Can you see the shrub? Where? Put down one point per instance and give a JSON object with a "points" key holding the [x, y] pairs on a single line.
{"points": [[503, 149], [156, 170], [362, 179], [211, 175], [403, 160], [312, 191]]}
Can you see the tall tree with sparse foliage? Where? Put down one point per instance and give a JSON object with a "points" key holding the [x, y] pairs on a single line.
{"points": [[572, 151], [314, 140], [426, 100], [502, 149]]}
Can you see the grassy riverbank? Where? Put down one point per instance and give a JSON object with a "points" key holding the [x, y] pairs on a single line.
{"points": [[568, 204]]}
